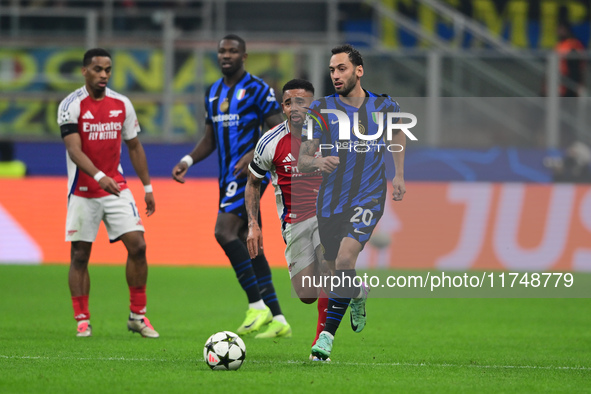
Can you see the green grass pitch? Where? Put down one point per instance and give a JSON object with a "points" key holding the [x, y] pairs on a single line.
{"points": [[409, 345]]}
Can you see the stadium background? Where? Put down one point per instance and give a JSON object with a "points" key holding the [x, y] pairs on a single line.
{"points": [[480, 191]]}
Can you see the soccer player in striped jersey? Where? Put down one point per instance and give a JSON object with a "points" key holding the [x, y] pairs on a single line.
{"points": [[277, 152], [237, 105], [353, 193], [93, 120]]}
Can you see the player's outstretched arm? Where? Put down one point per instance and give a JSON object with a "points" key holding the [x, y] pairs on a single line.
{"points": [[307, 161], [398, 182], [252, 197], [74, 148], [204, 148], [137, 155]]}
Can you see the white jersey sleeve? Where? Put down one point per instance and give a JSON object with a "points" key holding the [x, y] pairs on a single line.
{"points": [[131, 125], [262, 162], [69, 110], [264, 152]]}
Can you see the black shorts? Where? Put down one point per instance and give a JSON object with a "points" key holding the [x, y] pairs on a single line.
{"points": [[357, 223], [232, 198]]}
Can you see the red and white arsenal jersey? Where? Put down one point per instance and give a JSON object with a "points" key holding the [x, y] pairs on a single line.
{"points": [[101, 125], [277, 151]]}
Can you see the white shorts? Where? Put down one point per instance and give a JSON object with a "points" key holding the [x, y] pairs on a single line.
{"points": [[120, 215], [302, 239]]}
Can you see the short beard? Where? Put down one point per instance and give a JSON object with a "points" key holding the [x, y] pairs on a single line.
{"points": [[230, 72], [345, 91], [99, 89]]}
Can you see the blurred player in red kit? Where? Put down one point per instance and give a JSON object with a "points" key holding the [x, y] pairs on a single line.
{"points": [[572, 67]]}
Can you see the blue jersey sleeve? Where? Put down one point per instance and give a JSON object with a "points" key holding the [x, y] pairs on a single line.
{"points": [[207, 103], [267, 102], [390, 105]]}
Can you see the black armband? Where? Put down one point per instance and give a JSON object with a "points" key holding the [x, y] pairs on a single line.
{"points": [[257, 170], [68, 128]]}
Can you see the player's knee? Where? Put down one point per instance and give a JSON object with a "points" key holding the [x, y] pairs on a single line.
{"points": [[306, 294], [137, 250], [346, 262], [79, 258], [308, 300], [224, 236]]}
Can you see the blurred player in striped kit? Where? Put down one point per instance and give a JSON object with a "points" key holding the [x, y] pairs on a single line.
{"points": [[237, 105], [353, 192]]}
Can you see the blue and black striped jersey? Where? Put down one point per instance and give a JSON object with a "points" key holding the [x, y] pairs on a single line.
{"points": [[360, 177], [237, 114]]}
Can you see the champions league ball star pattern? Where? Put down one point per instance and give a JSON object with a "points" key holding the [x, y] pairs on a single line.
{"points": [[224, 351]]}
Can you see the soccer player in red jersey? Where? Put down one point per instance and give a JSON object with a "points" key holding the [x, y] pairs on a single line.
{"points": [[93, 120], [277, 152]]}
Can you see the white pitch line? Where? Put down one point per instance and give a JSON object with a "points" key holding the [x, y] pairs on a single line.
{"points": [[82, 358], [449, 365], [551, 367]]}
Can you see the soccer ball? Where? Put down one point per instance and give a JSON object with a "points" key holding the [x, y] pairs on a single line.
{"points": [[380, 240], [224, 351]]}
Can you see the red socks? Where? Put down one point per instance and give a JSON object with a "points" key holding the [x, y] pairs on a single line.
{"points": [[80, 305], [137, 299], [322, 305]]}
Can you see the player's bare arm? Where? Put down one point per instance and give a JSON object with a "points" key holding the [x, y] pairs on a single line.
{"points": [[204, 148], [273, 120], [308, 163], [137, 155], [252, 197], [74, 148], [398, 182], [241, 168]]}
